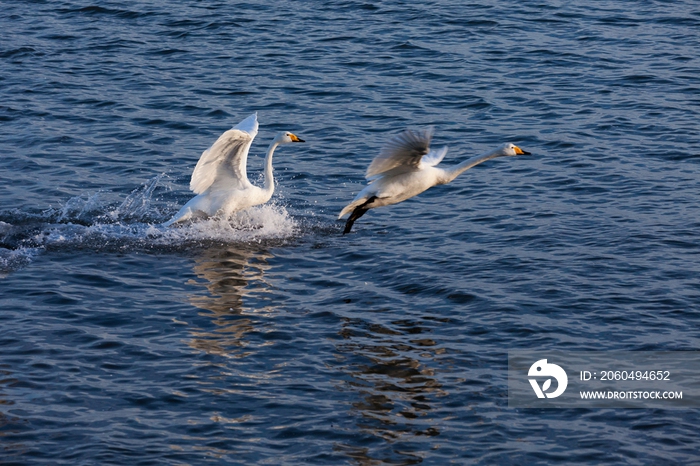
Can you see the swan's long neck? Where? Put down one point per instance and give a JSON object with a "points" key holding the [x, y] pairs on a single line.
{"points": [[453, 172], [269, 178]]}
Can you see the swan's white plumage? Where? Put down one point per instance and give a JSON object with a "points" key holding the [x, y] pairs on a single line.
{"points": [[220, 178], [406, 167], [224, 163], [434, 157]]}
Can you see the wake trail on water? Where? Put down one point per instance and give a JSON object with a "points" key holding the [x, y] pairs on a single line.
{"points": [[90, 223]]}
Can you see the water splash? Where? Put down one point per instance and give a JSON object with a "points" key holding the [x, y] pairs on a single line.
{"points": [[80, 209], [137, 205], [89, 223], [253, 225], [15, 259]]}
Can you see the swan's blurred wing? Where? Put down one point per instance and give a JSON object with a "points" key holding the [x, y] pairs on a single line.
{"points": [[224, 163], [434, 157], [402, 153]]}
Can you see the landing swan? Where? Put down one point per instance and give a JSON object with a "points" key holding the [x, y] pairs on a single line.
{"points": [[406, 167], [220, 180]]}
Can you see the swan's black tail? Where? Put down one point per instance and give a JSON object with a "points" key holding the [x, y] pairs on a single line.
{"points": [[357, 213]]}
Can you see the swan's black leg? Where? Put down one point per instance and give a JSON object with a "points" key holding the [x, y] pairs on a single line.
{"points": [[357, 213]]}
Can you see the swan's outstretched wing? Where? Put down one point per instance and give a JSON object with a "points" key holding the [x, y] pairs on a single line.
{"points": [[405, 152], [434, 157], [225, 161]]}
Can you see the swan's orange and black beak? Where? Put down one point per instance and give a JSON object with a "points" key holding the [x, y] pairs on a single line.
{"points": [[296, 138], [519, 151]]}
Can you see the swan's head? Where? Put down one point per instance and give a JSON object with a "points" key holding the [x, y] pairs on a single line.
{"points": [[508, 149], [286, 137]]}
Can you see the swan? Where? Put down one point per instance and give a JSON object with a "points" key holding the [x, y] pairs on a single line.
{"points": [[406, 167], [220, 180]]}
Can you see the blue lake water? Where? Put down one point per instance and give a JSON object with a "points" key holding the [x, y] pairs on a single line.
{"points": [[273, 339]]}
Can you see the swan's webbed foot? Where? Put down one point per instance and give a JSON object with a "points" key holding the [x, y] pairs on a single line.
{"points": [[357, 213]]}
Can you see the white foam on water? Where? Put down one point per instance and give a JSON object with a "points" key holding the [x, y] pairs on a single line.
{"points": [[268, 222], [14, 259], [253, 225], [88, 222]]}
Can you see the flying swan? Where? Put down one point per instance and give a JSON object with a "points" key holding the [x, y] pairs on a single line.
{"points": [[220, 180], [406, 167]]}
